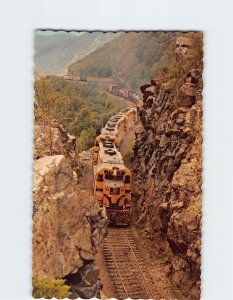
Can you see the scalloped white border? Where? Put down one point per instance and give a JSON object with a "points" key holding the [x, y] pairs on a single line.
{"points": [[19, 19]]}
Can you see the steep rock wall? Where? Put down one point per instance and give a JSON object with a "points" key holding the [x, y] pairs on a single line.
{"points": [[68, 224], [167, 165]]}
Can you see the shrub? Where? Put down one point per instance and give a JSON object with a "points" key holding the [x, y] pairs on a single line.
{"points": [[44, 288]]}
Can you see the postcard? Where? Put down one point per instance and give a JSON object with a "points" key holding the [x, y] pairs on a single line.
{"points": [[117, 174]]}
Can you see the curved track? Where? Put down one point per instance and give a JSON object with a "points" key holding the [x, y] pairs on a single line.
{"points": [[125, 265]]}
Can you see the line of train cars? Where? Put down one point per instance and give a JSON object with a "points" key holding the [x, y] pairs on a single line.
{"points": [[128, 94], [111, 86], [112, 179], [88, 79]]}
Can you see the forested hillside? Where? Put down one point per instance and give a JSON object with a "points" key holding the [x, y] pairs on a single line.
{"points": [[82, 108], [130, 59]]}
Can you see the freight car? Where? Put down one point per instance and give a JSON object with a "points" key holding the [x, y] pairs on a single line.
{"points": [[100, 80], [131, 115], [124, 93], [84, 78], [71, 77]]}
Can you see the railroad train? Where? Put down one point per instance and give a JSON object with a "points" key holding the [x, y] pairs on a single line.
{"points": [[88, 79], [112, 179], [111, 86], [128, 94]]}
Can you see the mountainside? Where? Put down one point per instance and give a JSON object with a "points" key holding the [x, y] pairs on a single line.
{"points": [[54, 52], [167, 164], [130, 59]]}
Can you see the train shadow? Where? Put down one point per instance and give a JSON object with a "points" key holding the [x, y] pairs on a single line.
{"points": [[119, 226]]}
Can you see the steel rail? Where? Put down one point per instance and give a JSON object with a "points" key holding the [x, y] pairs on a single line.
{"points": [[118, 271], [144, 278], [115, 249]]}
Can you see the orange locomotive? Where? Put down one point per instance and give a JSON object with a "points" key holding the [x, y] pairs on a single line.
{"points": [[113, 184]]}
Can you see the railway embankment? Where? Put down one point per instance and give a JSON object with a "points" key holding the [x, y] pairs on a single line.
{"points": [[68, 224], [167, 165]]}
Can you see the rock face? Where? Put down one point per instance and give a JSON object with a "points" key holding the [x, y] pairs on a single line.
{"points": [[85, 283], [54, 140], [68, 224], [167, 166], [183, 44]]}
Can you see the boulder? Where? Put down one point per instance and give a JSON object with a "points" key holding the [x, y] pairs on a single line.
{"points": [[85, 283], [184, 42], [187, 95], [62, 233], [183, 46], [44, 174], [149, 91], [144, 87]]}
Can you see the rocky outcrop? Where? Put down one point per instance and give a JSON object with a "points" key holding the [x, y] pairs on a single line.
{"points": [[167, 166], [183, 44], [68, 224], [53, 139], [85, 283]]}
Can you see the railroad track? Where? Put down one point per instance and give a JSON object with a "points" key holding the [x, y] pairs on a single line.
{"points": [[125, 265]]}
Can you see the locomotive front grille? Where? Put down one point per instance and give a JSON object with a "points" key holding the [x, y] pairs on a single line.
{"points": [[116, 216]]}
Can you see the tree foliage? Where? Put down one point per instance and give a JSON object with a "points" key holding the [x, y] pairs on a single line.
{"points": [[83, 108], [44, 288]]}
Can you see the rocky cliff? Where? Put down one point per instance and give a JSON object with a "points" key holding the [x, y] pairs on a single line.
{"points": [[53, 139], [68, 224], [167, 164]]}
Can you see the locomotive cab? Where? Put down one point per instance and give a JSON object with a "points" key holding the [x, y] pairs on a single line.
{"points": [[114, 193]]}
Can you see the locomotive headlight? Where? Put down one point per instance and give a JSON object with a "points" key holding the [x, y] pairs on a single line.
{"points": [[115, 173]]}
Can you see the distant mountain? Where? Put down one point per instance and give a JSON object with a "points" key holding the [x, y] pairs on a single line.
{"points": [[131, 59], [54, 51]]}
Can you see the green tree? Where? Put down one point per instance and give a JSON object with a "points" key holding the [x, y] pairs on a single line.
{"points": [[86, 138], [82, 108], [44, 288], [45, 98]]}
